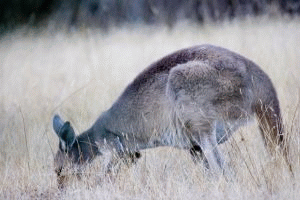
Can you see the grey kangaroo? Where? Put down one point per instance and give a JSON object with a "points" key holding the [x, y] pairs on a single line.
{"points": [[193, 99]]}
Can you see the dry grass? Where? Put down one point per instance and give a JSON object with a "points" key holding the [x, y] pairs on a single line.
{"points": [[79, 75]]}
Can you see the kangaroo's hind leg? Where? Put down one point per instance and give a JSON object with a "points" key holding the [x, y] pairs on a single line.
{"points": [[206, 138], [222, 135], [191, 88]]}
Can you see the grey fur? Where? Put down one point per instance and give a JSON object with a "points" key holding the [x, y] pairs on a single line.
{"points": [[194, 99]]}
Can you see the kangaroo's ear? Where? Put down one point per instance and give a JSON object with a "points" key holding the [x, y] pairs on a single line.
{"points": [[57, 123], [64, 131]]}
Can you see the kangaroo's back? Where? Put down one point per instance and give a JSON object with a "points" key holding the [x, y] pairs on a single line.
{"points": [[145, 104]]}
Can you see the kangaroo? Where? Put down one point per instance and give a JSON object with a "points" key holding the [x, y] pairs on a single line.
{"points": [[193, 99]]}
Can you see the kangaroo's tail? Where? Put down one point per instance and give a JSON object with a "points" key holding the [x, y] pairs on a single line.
{"points": [[271, 127]]}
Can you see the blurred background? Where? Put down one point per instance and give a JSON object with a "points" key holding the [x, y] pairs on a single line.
{"points": [[105, 13]]}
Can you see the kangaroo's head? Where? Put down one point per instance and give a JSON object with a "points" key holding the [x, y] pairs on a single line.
{"points": [[69, 152], [74, 151]]}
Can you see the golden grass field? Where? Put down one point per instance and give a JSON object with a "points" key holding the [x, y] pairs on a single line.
{"points": [[80, 74]]}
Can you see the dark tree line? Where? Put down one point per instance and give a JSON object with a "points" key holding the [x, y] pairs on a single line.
{"points": [[103, 13]]}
